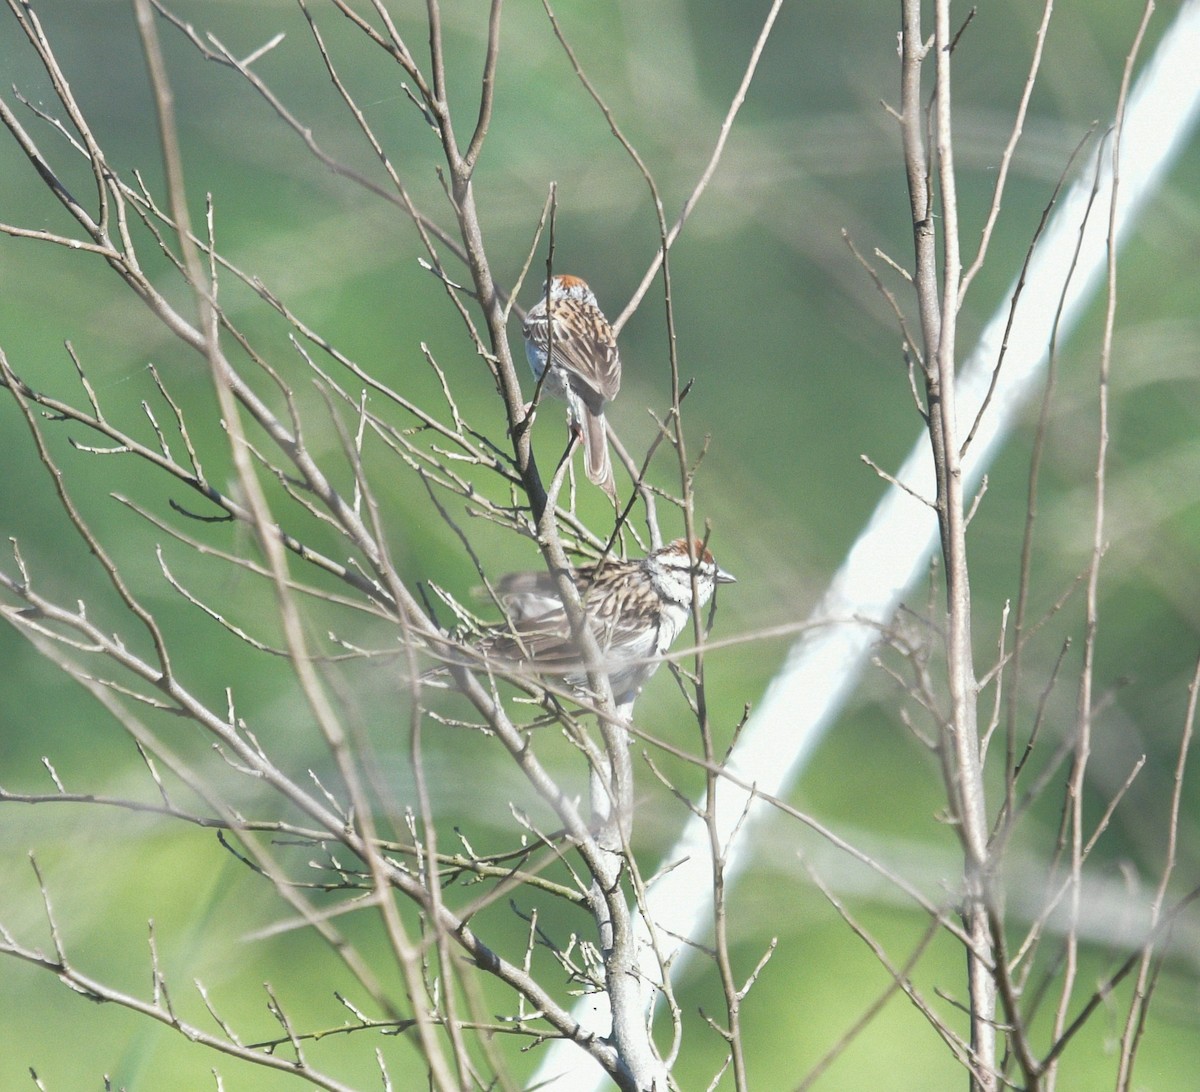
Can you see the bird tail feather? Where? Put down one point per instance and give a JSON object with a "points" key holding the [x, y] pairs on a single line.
{"points": [[596, 461]]}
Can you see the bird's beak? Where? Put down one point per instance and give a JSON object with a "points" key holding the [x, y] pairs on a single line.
{"points": [[725, 578]]}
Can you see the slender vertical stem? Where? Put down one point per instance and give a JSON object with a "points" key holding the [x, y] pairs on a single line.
{"points": [[938, 308], [1084, 704]]}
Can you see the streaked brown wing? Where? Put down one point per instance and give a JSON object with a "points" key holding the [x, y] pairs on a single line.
{"points": [[589, 354]]}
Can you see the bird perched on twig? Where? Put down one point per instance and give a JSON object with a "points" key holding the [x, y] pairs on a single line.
{"points": [[636, 609], [585, 367]]}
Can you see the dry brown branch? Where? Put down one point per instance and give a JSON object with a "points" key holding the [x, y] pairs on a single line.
{"points": [[1085, 711], [938, 306]]}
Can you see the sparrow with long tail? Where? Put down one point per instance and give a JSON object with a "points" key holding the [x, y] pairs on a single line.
{"points": [[575, 340]]}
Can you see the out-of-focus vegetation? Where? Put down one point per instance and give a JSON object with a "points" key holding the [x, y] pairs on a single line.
{"points": [[797, 369]]}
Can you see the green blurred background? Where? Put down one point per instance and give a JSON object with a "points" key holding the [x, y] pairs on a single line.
{"points": [[798, 372]]}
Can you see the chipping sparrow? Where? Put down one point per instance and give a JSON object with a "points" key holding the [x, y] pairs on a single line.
{"points": [[636, 610], [585, 368]]}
